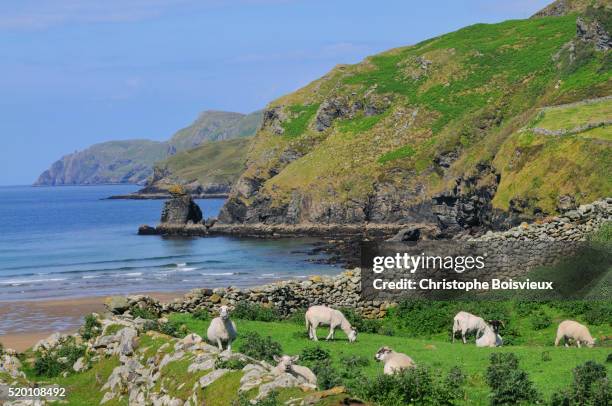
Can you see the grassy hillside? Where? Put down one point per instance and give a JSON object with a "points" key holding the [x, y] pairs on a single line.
{"points": [[132, 161], [216, 126], [437, 353], [109, 162], [212, 162], [382, 137]]}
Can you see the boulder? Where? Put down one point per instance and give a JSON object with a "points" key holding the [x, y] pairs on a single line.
{"points": [[181, 209], [116, 304]]}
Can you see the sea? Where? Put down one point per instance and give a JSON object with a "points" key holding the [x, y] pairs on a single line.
{"points": [[71, 242]]}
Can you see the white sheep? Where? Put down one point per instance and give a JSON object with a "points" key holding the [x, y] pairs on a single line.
{"points": [[570, 329], [286, 364], [394, 361], [326, 316], [489, 338], [222, 330], [467, 323]]}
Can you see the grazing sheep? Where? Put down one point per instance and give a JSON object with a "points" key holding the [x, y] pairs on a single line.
{"points": [[326, 316], [570, 329], [222, 330], [286, 364], [467, 323], [394, 361], [489, 338]]}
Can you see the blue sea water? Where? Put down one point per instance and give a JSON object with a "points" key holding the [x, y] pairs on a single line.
{"points": [[60, 242]]}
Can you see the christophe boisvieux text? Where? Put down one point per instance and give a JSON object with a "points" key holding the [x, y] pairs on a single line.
{"points": [[458, 264]]}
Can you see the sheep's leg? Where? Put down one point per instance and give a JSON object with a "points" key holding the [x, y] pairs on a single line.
{"points": [[578, 343], [314, 331], [331, 332], [557, 339], [463, 337], [219, 344], [229, 346]]}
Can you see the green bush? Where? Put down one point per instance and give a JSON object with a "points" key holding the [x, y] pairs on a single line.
{"points": [[232, 363], [298, 316], [143, 313], [201, 314], [585, 376], [311, 355], [509, 384], [600, 313], [52, 362], [270, 400], [255, 312], [258, 347], [412, 386], [540, 320], [327, 376], [92, 327]]}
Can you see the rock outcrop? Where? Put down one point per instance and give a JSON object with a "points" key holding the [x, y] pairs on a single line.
{"points": [[181, 209]]}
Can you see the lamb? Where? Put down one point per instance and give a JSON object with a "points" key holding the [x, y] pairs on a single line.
{"points": [[326, 316], [222, 330], [286, 364], [467, 323], [570, 329], [490, 338], [394, 361]]}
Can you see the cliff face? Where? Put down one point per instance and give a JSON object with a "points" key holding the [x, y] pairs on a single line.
{"points": [[132, 161], [442, 131], [128, 161]]}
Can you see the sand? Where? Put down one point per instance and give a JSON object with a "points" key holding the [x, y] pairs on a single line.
{"points": [[24, 323]]}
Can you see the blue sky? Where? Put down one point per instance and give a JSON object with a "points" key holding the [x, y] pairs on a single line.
{"points": [[74, 73]]}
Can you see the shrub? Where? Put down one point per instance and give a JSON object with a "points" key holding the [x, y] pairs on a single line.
{"points": [[585, 376], [143, 313], [92, 327], [171, 328], [311, 355], [254, 345], [600, 313], [270, 400], [509, 384], [540, 320], [232, 363], [423, 318], [608, 358], [354, 361], [327, 376], [411, 386], [201, 314], [298, 316], [251, 311], [52, 362], [455, 378]]}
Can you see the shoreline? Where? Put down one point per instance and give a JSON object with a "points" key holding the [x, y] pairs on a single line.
{"points": [[164, 196], [32, 320]]}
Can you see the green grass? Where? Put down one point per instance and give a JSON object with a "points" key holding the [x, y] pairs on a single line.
{"points": [[359, 124], [301, 116], [224, 390], [404, 152], [437, 353], [569, 117]]}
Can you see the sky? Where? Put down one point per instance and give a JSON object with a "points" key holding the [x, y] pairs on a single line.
{"points": [[74, 73]]}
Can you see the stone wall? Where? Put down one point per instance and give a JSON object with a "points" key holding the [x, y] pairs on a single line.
{"points": [[344, 290]]}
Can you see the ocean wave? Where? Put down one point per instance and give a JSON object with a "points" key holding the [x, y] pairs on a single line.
{"points": [[19, 282], [218, 274], [131, 274]]}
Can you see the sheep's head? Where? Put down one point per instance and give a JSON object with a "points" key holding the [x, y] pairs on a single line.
{"points": [[224, 312], [286, 362], [496, 324], [382, 353], [591, 343], [352, 335]]}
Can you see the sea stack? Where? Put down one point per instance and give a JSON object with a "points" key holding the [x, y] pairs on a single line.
{"points": [[180, 208]]}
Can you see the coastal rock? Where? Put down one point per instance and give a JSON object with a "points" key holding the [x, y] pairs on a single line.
{"points": [[116, 304], [181, 209]]}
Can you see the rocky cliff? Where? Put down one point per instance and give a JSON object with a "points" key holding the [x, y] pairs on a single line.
{"points": [[132, 161], [440, 132]]}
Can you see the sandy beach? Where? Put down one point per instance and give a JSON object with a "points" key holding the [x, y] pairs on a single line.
{"points": [[24, 323]]}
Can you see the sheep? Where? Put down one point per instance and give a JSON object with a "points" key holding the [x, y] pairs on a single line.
{"points": [[467, 323], [490, 338], [222, 330], [394, 361], [286, 364], [570, 329], [326, 316]]}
